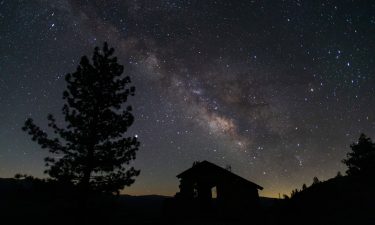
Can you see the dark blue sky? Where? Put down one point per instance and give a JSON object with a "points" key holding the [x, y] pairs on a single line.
{"points": [[276, 89]]}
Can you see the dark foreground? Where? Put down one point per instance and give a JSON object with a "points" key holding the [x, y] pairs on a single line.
{"points": [[341, 200]]}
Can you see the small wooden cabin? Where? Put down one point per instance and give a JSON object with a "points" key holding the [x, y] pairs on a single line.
{"points": [[209, 187]]}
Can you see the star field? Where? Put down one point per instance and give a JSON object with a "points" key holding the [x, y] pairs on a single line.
{"points": [[276, 89]]}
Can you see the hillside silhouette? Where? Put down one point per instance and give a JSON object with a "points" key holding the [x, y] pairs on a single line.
{"points": [[348, 199], [339, 200]]}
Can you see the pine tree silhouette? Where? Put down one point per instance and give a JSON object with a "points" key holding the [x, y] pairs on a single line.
{"points": [[91, 150], [361, 161]]}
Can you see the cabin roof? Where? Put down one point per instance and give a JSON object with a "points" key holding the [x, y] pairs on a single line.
{"points": [[205, 166]]}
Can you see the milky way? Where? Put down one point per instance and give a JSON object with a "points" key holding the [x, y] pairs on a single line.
{"points": [[276, 89]]}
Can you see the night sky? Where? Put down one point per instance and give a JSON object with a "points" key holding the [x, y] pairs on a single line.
{"points": [[276, 89]]}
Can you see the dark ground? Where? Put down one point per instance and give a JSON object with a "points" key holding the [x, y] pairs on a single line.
{"points": [[341, 200]]}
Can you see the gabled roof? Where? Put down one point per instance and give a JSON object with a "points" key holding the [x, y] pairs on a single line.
{"points": [[205, 166]]}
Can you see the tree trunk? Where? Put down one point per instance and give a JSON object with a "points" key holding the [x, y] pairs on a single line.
{"points": [[87, 173]]}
